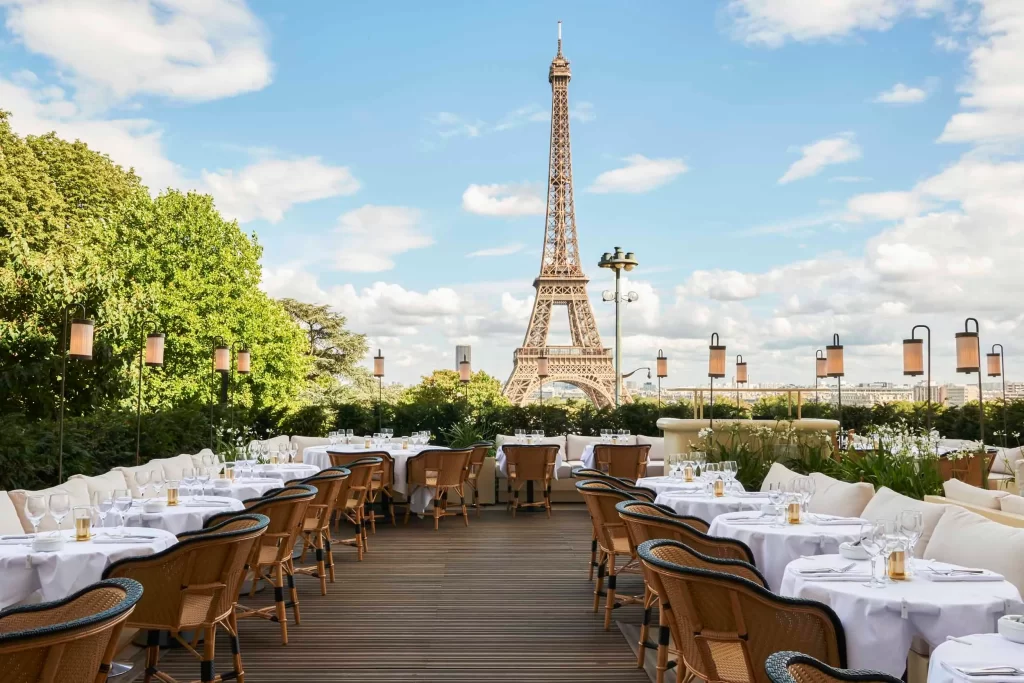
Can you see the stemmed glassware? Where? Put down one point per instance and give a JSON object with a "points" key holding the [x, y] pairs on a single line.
{"points": [[700, 460], [776, 498], [729, 470], [142, 478], [912, 526], [203, 477], [332, 438], [60, 506], [872, 539], [102, 503], [188, 478], [36, 508], [520, 435], [122, 503], [158, 484]]}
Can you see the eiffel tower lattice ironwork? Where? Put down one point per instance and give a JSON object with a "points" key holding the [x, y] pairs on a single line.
{"points": [[586, 363]]}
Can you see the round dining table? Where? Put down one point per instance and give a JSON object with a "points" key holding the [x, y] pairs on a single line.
{"points": [[668, 484], [880, 623], [697, 503], [973, 651], [56, 574], [775, 545], [243, 489], [189, 514]]}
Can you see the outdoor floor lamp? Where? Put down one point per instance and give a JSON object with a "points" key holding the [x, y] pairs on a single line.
{"points": [[662, 366], [820, 370], [716, 368], [378, 372], [78, 346], [221, 365], [151, 354], [968, 360], [913, 364], [741, 376], [834, 368], [996, 362], [465, 374]]}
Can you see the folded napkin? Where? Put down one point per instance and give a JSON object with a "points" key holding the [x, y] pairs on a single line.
{"points": [[838, 576], [15, 541], [206, 504], [837, 521], [749, 494], [962, 671], [750, 521], [940, 575], [108, 540]]}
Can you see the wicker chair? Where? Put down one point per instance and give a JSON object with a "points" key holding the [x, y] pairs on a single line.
{"points": [[476, 464], [530, 463], [724, 626], [441, 470], [193, 586], [794, 667], [382, 489], [645, 522], [70, 640], [629, 462], [612, 542], [640, 492], [271, 559], [352, 499], [316, 528]]}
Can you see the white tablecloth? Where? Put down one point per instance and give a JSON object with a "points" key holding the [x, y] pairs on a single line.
{"points": [[187, 515], [674, 484], [775, 547], [704, 507], [881, 622], [285, 473], [501, 464], [988, 649], [242, 489], [317, 456], [55, 575]]}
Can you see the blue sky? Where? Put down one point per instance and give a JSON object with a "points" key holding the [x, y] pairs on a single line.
{"points": [[783, 173]]}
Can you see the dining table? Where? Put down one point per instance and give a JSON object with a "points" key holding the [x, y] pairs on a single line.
{"points": [[697, 503], [950, 659], [27, 574], [190, 514], [774, 545], [938, 601], [670, 484]]}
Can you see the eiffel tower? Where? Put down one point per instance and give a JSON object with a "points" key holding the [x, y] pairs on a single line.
{"points": [[586, 363]]}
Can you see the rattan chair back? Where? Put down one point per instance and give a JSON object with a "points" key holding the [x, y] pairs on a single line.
{"points": [[454, 468], [648, 522], [339, 459], [796, 667], [286, 509], [601, 498], [726, 626], [328, 484], [195, 582], [438, 467], [71, 640], [640, 492], [357, 486], [629, 462], [531, 463], [479, 455]]}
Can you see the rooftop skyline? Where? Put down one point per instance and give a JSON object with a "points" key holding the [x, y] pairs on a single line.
{"points": [[781, 175]]}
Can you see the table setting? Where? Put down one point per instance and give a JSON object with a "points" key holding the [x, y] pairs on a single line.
{"points": [[881, 616], [981, 657]]}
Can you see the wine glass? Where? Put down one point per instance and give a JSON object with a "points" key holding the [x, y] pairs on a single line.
{"points": [[776, 497], [332, 437], [35, 509], [122, 503], [103, 503], [203, 477], [188, 478], [142, 478], [60, 506], [872, 539], [912, 526], [700, 460], [157, 482], [729, 472]]}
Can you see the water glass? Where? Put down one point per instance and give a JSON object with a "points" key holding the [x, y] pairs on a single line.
{"points": [[157, 482], [872, 539], [911, 526], [36, 508], [60, 507], [142, 478], [188, 478], [103, 503], [203, 477], [122, 503], [83, 523], [775, 499]]}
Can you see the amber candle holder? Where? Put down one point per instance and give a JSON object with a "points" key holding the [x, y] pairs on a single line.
{"points": [[719, 488], [366, 442], [688, 473], [172, 493], [897, 568], [793, 513], [83, 523]]}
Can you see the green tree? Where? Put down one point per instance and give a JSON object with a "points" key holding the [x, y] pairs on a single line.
{"points": [[334, 350], [443, 386]]}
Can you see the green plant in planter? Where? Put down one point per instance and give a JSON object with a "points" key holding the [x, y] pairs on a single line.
{"points": [[901, 459], [813, 452]]}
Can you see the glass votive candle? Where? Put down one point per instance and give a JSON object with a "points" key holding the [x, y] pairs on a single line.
{"points": [[688, 473], [793, 510], [172, 491], [367, 441], [229, 471], [897, 566], [83, 523], [719, 488]]}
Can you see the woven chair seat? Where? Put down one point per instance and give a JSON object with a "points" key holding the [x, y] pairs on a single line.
{"points": [[794, 667]]}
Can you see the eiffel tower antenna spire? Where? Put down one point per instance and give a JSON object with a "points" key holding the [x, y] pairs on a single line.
{"points": [[584, 363]]}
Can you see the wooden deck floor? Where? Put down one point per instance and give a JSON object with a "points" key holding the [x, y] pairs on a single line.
{"points": [[502, 600]]}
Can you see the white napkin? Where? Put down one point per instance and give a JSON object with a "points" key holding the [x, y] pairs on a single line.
{"points": [[762, 521], [838, 521], [16, 541], [930, 575], [749, 494], [107, 540], [955, 669], [206, 504], [837, 576]]}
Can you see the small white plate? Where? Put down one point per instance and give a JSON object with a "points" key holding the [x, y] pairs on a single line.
{"points": [[47, 543], [853, 552], [1011, 627], [154, 506]]}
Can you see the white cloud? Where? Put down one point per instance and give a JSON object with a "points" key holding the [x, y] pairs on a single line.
{"points": [[451, 125], [884, 206], [850, 179], [268, 188], [180, 49], [373, 235], [816, 156], [505, 250], [772, 22], [521, 199], [582, 112], [902, 94], [531, 113], [640, 174]]}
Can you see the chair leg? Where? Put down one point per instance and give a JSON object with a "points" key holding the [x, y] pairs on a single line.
{"points": [[373, 519], [641, 652], [321, 566], [152, 654], [280, 611], [609, 603], [599, 586], [476, 499], [515, 502], [206, 667], [364, 534], [437, 511], [663, 636], [292, 593], [391, 508], [593, 556], [547, 500], [329, 552], [236, 650]]}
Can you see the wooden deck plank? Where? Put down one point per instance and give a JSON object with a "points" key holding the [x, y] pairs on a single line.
{"points": [[501, 601]]}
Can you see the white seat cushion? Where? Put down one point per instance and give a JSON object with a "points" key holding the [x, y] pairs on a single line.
{"points": [[129, 476], [778, 475], [965, 493], [76, 489], [834, 497], [886, 505], [968, 539], [304, 442], [575, 445], [565, 471], [655, 468], [657, 445], [10, 522], [114, 479], [274, 443], [202, 458], [1006, 460], [1013, 504], [174, 467]]}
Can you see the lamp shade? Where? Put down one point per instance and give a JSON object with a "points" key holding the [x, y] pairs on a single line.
{"points": [[221, 359], [913, 357], [81, 339], [741, 372], [716, 358], [243, 362], [821, 367], [378, 364], [542, 367], [155, 349], [968, 354], [662, 364], [995, 365], [834, 359], [465, 370]]}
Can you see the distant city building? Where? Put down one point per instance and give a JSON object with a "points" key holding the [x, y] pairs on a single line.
{"points": [[872, 395], [959, 394], [939, 393], [463, 351]]}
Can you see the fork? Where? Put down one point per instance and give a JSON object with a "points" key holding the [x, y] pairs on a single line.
{"points": [[993, 671], [829, 570]]}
